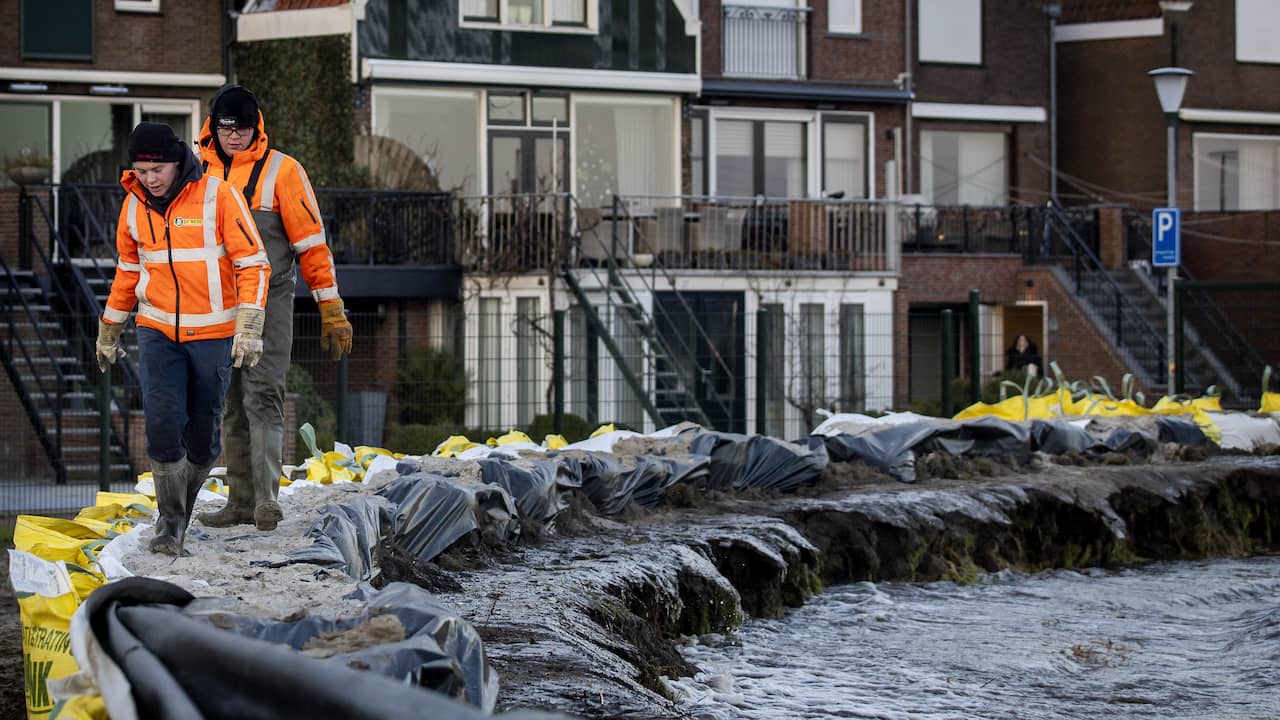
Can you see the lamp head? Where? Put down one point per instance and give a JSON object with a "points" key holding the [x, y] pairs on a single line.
{"points": [[1171, 84]]}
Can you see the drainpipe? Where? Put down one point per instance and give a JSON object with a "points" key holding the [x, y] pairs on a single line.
{"points": [[908, 168], [1054, 11]]}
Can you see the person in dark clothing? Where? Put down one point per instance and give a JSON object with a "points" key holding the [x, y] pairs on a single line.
{"points": [[1023, 355]]}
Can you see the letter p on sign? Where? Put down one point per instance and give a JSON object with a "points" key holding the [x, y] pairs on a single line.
{"points": [[1166, 240]]}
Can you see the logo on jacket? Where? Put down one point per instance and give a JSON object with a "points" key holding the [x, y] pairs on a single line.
{"points": [[180, 221]]}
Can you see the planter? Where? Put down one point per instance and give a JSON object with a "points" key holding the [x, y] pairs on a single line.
{"points": [[29, 174]]}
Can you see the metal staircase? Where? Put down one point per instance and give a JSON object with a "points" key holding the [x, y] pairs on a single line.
{"points": [[615, 297], [1113, 310], [46, 346]]}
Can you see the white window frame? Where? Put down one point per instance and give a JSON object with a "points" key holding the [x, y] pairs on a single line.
{"points": [[1254, 25], [138, 6], [855, 28], [504, 14], [922, 44], [812, 120], [1196, 138], [139, 104]]}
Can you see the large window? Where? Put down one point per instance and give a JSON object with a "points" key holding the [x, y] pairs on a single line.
{"points": [[760, 157], [625, 147], [528, 359], [61, 30], [844, 17], [775, 368], [951, 31], [811, 390], [1257, 26], [698, 154], [963, 168], [528, 13], [26, 133], [489, 364], [853, 366], [439, 127], [844, 157], [1237, 172]]}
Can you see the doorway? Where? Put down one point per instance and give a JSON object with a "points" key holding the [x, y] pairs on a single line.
{"points": [[716, 376]]}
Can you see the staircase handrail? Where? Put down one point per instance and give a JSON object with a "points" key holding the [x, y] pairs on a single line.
{"points": [[1080, 249], [1222, 324]]}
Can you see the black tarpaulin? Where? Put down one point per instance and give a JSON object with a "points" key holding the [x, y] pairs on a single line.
{"points": [[345, 537], [433, 512]]}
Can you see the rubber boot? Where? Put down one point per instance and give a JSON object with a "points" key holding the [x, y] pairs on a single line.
{"points": [[171, 500], [267, 450], [193, 476], [237, 511]]}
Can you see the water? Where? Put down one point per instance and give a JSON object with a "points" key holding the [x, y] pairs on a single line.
{"points": [[1170, 640]]}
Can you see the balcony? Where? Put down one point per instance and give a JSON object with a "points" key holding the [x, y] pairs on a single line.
{"points": [[721, 233], [764, 41]]}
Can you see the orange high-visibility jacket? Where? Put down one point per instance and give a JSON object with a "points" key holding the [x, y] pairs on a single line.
{"points": [[191, 268], [282, 187]]}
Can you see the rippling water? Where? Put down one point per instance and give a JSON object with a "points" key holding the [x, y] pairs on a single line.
{"points": [[1170, 640]]}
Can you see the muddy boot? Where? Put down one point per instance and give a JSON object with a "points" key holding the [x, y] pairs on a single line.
{"points": [[193, 477], [268, 448], [171, 500], [237, 511]]}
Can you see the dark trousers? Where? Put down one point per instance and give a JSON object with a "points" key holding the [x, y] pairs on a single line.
{"points": [[183, 386]]}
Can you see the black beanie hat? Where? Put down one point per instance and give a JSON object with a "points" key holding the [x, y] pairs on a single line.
{"points": [[233, 106], [154, 142]]}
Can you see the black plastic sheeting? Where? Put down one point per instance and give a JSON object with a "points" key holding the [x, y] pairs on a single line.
{"points": [[743, 462], [893, 448], [612, 483], [346, 537], [535, 484], [180, 667], [439, 651], [433, 512]]}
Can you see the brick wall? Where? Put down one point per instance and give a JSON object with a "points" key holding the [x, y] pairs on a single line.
{"points": [[877, 56], [1015, 61], [184, 37], [1073, 341]]}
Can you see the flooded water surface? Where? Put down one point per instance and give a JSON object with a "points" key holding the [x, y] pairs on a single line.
{"points": [[1170, 640]]}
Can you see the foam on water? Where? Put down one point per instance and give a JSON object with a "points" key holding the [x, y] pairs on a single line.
{"points": [[1170, 640]]}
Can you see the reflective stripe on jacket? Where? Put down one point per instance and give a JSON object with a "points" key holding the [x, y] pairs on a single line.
{"points": [[191, 268], [283, 188]]}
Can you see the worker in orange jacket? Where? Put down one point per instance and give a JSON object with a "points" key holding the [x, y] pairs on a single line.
{"points": [[191, 259], [234, 146]]}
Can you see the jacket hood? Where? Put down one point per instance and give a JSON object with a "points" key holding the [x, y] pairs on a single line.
{"points": [[212, 154]]}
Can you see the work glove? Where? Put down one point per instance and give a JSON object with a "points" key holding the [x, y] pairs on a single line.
{"points": [[246, 344], [108, 345], [335, 330]]}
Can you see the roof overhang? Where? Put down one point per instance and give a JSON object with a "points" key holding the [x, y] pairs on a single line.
{"points": [[112, 77], [524, 75], [1233, 117], [284, 24], [1111, 30], [785, 90], [979, 113]]}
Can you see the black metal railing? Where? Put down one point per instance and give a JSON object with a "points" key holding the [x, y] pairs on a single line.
{"points": [[388, 227], [1119, 315], [1213, 328], [1012, 229], [500, 234]]}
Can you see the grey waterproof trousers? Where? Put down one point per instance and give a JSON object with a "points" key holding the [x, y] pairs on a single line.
{"points": [[253, 431]]}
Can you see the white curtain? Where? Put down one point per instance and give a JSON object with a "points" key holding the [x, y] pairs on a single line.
{"points": [[568, 11], [951, 31], [982, 172], [1258, 174]]}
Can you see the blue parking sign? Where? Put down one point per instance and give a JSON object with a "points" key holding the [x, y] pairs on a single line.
{"points": [[1166, 237]]}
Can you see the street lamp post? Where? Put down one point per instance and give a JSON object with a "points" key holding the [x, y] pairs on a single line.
{"points": [[1171, 84]]}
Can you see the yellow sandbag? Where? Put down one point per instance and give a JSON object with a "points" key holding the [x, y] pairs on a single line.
{"points": [[109, 520], [58, 539], [366, 454], [603, 429], [1169, 406], [48, 594], [1270, 403], [1116, 408], [453, 445], [555, 442], [1008, 409], [80, 707], [1208, 404], [514, 436], [136, 505], [341, 467]]}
